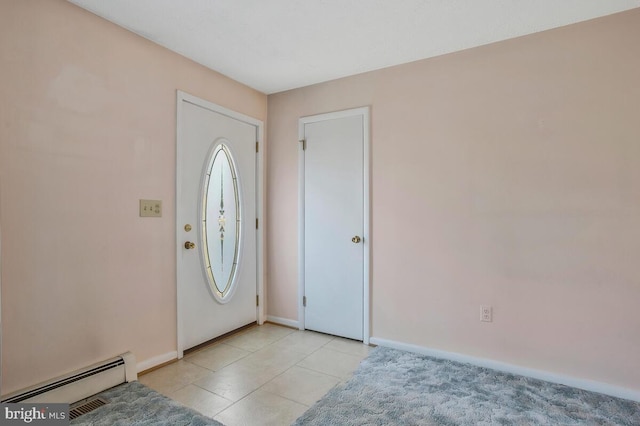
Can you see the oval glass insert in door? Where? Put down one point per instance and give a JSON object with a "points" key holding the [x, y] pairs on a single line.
{"points": [[220, 222]]}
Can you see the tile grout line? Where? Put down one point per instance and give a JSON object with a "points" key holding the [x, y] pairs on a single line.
{"points": [[294, 365], [267, 338], [248, 354]]}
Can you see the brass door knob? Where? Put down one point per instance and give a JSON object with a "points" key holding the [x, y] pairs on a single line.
{"points": [[189, 245], [356, 239]]}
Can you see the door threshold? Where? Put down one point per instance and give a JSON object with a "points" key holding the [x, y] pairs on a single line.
{"points": [[219, 338]]}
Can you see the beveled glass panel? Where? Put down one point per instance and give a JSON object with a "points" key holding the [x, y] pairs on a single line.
{"points": [[220, 222]]}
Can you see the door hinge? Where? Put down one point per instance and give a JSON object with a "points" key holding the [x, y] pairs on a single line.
{"points": [[256, 223], [304, 301], [257, 300], [304, 144], [257, 150]]}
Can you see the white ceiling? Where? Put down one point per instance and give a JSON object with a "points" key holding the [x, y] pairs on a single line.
{"points": [[276, 45]]}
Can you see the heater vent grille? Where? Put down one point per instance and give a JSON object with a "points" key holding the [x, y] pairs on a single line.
{"points": [[86, 407], [64, 382], [80, 384]]}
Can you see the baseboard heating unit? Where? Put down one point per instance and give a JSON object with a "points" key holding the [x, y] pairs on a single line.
{"points": [[80, 384]]}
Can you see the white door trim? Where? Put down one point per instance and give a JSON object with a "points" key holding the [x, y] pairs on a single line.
{"points": [[182, 97], [364, 112]]}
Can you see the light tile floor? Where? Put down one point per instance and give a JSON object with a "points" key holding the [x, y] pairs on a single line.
{"points": [[265, 375]]}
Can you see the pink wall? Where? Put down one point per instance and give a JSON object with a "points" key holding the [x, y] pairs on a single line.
{"points": [[87, 128], [505, 175]]}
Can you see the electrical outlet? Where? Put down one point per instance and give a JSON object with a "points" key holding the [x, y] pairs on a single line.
{"points": [[150, 208], [486, 313]]}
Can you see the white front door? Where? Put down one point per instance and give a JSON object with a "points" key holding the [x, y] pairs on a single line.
{"points": [[216, 221], [334, 240]]}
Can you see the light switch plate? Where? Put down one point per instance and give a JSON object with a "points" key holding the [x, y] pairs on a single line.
{"points": [[150, 208]]}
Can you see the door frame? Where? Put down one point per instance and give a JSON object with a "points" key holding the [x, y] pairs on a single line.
{"points": [[366, 210], [182, 97]]}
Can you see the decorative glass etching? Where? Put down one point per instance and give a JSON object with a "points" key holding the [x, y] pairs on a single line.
{"points": [[220, 221]]}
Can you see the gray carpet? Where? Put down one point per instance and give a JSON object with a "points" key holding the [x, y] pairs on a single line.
{"points": [[400, 388], [135, 404]]}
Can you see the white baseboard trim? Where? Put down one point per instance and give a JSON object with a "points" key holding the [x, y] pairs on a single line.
{"points": [[283, 321], [585, 384], [156, 360]]}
